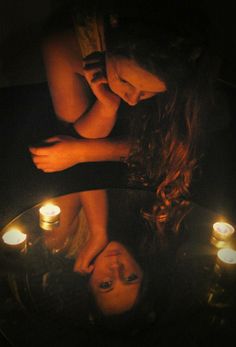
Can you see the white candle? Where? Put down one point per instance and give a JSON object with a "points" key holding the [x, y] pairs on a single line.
{"points": [[15, 238], [49, 213], [227, 256], [222, 231]]}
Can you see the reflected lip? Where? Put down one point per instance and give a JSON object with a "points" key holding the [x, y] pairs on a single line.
{"points": [[113, 253]]}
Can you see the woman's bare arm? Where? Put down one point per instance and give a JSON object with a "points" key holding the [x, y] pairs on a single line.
{"points": [[63, 65], [71, 94], [95, 205]]}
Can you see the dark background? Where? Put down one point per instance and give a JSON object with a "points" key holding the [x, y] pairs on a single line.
{"points": [[21, 24]]}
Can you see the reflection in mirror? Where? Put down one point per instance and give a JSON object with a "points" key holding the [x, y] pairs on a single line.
{"points": [[105, 234], [99, 267]]}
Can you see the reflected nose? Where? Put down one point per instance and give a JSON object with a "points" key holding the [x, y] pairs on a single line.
{"points": [[116, 267]]}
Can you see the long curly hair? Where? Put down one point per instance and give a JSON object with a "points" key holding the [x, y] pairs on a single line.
{"points": [[165, 131]]}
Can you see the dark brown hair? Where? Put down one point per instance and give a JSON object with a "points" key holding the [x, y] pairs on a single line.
{"points": [[165, 130]]}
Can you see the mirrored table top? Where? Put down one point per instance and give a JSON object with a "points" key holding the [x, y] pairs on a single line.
{"points": [[45, 301]]}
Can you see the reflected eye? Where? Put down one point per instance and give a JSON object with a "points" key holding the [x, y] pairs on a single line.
{"points": [[132, 277], [105, 285]]}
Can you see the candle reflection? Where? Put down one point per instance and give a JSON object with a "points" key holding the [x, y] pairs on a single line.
{"points": [[221, 234], [227, 256], [222, 230], [49, 213], [221, 293]]}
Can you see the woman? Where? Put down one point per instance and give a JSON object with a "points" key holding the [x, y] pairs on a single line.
{"points": [[157, 62]]}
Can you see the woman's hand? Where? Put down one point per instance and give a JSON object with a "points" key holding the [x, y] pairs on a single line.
{"points": [[59, 153], [95, 245], [95, 74]]}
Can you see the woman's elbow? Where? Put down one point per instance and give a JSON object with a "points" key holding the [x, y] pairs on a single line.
{"points": [[90, 134], [66, 116]]}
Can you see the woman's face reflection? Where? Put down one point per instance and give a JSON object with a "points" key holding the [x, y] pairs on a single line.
{"points": [[116, 279]]}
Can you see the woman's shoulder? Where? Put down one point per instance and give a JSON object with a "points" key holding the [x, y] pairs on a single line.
{"points": [[64, 44]]}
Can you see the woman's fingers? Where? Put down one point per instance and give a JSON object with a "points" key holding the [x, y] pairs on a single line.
{"points": [[89, 269], [39, 151], [93, 75], [40, 165], [94, 66], [84, 270], [41, 162], [43, 148], [53, 139], [99, 78], [82, 265], [45, 168], [40, 159], [94, 56]]}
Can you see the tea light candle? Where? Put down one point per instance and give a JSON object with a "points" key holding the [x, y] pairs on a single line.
{"points": [[15, 239], [49, 213], [227, 256]]}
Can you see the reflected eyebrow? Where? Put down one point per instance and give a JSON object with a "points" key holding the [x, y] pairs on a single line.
{"points": [[132, 283]]}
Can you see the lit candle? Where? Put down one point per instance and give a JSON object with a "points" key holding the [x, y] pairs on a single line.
{"points": [[49, 213], [15, 239], [227, 256], [222, 231]]}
